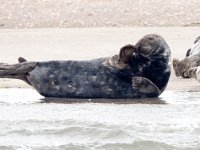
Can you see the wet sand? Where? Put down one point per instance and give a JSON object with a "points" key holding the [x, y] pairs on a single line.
{"points": [[89, 43]]}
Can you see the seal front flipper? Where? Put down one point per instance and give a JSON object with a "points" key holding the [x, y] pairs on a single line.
{"points": [[195, 73], [145, 87], [175, 63], [126, 53]]}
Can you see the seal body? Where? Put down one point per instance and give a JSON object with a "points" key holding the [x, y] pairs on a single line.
{"points": [[143, 73], [139, 71], [82, 79], [186, 67]]}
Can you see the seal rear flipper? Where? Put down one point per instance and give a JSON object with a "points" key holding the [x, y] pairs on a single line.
{"points": [[21, 59], [17, 71], [145, 87]]}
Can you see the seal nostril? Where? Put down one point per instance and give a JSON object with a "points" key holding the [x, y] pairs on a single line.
{"points": [[150, 38]]}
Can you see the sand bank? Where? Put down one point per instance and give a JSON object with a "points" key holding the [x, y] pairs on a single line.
{"points": [[98, 13]]}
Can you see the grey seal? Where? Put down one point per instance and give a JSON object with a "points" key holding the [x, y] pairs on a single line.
{"points": [[189, 67], [138, 71]]}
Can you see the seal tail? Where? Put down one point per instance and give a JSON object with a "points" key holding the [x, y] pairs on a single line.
{"points": [[17, 71]]}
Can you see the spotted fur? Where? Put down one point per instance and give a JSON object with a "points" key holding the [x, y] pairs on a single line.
{"points": [[185, 67]]}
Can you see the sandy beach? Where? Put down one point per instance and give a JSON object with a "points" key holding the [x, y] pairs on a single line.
{"points": [[98, 13], [89, 43]]}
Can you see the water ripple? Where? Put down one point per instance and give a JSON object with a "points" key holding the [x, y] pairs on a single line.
{"points": [[28, 124]]}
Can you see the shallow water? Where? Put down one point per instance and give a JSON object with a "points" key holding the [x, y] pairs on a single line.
{"points": [[27, 123]]}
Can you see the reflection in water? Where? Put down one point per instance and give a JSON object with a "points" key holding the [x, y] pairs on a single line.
{"points": [[167, 97], [115, 101], [25, 96]]}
